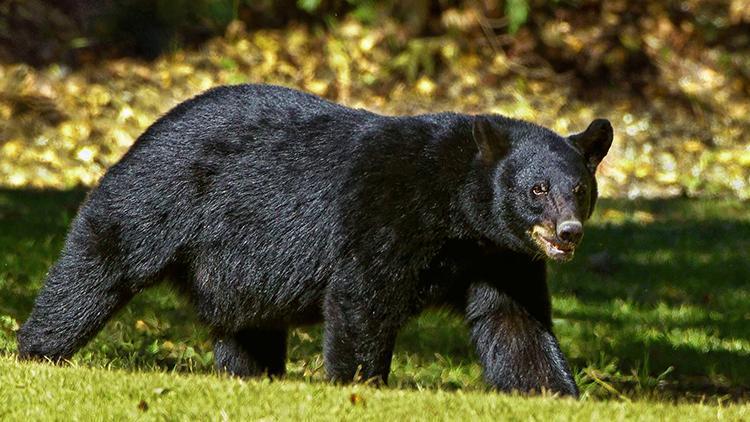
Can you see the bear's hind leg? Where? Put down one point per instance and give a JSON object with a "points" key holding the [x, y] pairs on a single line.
{"points": [[252, 352], [97, 274], [79, 295]]}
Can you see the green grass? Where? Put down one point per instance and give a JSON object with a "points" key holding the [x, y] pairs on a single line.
{"points": [[655, 310], [38, 391]]}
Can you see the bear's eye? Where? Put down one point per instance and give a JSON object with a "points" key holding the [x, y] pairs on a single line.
{"points": [[540, 189], [578, 190]]}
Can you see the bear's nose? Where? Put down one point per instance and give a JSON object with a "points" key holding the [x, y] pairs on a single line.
{"points": [[570, 231]]}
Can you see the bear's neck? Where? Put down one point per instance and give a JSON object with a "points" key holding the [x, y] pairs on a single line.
{"points": [[447, 162]]}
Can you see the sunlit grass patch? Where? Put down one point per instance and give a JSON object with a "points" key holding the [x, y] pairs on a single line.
{"points": [[34, 391]]}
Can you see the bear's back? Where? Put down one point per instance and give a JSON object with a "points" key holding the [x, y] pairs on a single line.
{"points": [[246, 184], [253, 143]]}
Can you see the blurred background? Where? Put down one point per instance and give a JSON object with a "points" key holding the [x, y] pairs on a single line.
{"points": [[81, 79]]}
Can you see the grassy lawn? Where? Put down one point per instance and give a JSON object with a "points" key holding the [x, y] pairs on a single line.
{"points": [[654, 315], [37, 392]]}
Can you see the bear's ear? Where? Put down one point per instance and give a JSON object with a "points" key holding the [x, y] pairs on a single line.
{"points": [[594, 142], [492, 140]]}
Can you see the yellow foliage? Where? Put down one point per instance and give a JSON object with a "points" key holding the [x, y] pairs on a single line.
{"points": [[425, 86], [60, 128]]}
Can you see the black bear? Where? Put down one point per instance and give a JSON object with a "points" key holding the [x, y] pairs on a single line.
{"points": [[271, 208]]}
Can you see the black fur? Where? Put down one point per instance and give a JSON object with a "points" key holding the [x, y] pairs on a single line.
{"points": [[273, 208]]}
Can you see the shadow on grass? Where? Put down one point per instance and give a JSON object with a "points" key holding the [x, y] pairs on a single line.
{"points": [[657, 284]]}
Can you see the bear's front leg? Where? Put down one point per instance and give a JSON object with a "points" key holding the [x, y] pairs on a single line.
{"points": [[512, 331], [360, 333]]}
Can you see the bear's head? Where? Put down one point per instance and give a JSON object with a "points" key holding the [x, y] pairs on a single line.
{"points": [[535, 188]]}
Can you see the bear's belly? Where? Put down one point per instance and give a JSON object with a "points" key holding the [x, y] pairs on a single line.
{"points": [[229, 302]]}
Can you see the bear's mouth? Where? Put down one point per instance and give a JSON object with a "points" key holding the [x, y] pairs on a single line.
{"points": [[553, 247]]}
